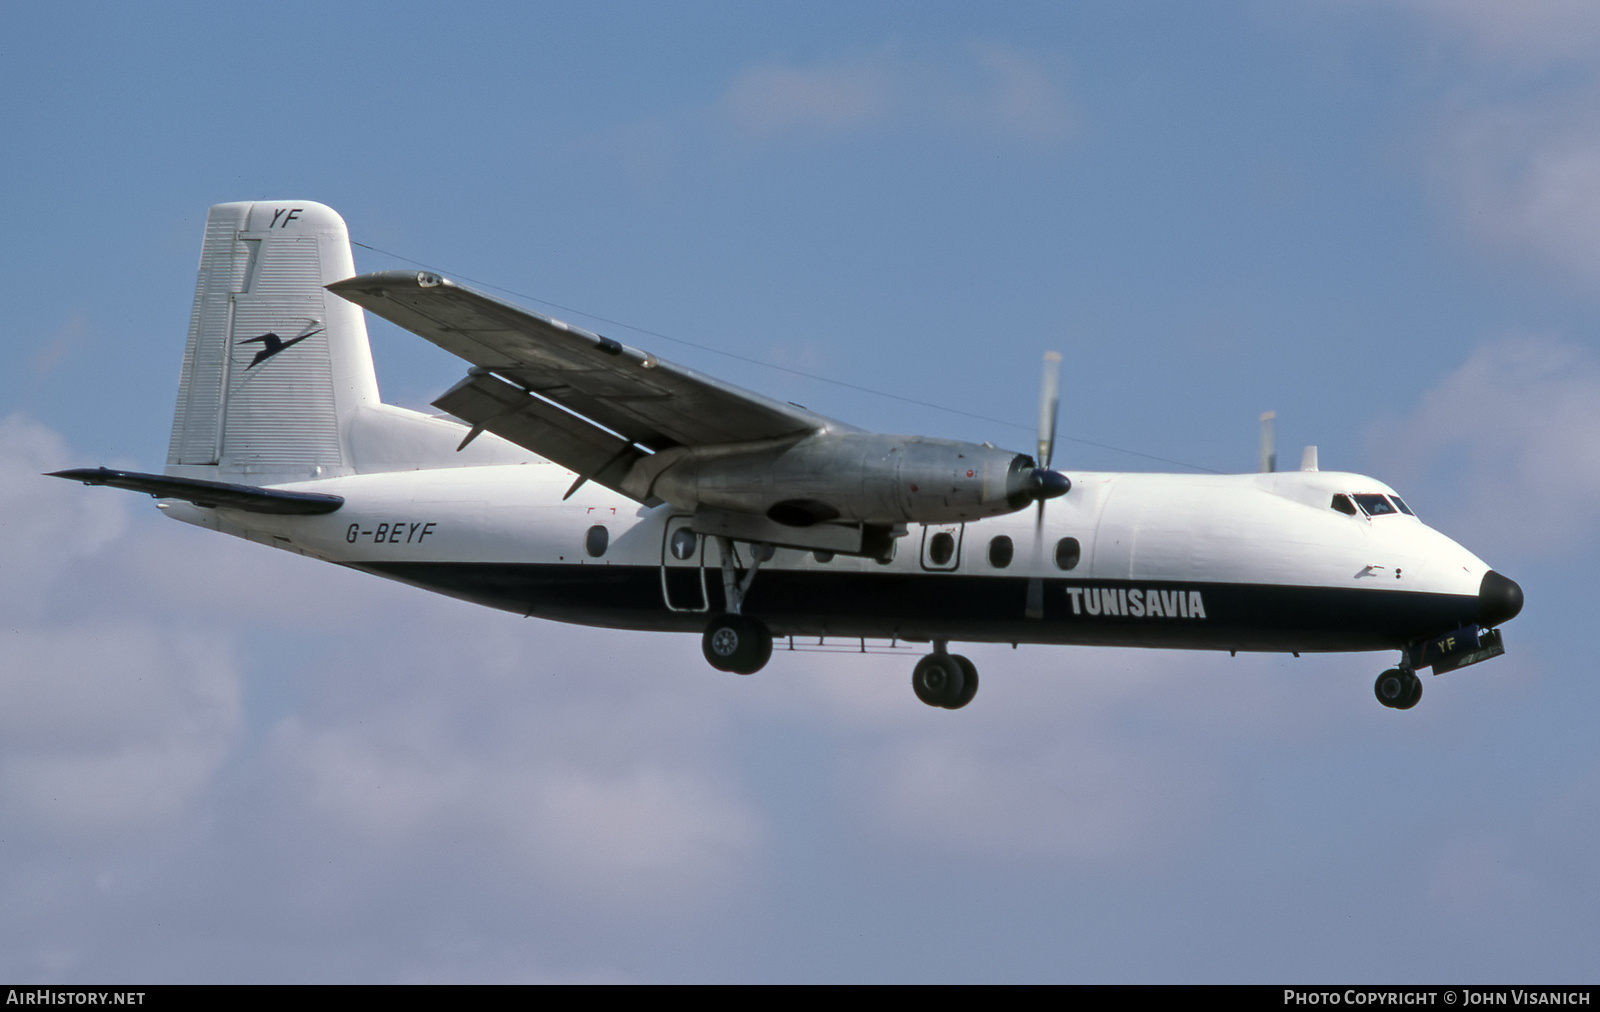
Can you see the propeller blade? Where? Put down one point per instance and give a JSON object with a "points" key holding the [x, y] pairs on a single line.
{"points": [[1269, 441], [1044, 483], [1049, 405]]}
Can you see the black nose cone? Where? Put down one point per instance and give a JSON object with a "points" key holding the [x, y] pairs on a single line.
{"points": [[1499, 600]]}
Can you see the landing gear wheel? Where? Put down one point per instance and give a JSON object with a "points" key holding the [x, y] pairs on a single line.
{"points": [[938, 680], [946, 680], [1398, 689], [1414, 694], [737, 643], [969, 678]]}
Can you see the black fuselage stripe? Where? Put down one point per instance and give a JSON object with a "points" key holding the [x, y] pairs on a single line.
{"points": [[947, 606]]}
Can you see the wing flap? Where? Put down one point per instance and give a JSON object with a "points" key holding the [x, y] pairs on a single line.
{"points": [[488, 403], [650, 402]]}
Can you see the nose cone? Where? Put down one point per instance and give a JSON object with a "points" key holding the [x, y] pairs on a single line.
{"points": [[1499, 600]]}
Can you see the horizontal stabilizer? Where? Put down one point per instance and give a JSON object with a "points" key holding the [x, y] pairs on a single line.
{"points": [[210, 494]]}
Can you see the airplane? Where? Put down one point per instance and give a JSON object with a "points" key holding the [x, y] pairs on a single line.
{"points": [[578, 479]]}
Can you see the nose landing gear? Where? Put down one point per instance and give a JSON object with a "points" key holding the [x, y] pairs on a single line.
{"points": [[1398, 688], [943, 679]]}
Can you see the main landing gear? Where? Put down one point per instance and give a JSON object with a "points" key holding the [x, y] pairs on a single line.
{"points": [[734, 641], [737, 643], [945, 679], [1398, 688]]}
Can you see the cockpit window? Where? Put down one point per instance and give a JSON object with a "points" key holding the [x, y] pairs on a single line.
{"points": [[1343, 504], [1402, 504], [1374, 505]]}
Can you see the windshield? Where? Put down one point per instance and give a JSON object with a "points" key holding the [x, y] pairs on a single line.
{"points": [[1374, 505]]}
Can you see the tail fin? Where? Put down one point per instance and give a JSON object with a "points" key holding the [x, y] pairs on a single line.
{"points": [[276, 367]]}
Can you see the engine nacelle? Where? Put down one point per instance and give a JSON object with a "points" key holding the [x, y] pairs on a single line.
{"points": [[849, 477]]}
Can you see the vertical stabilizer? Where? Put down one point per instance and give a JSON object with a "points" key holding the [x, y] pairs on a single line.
{"points": [[276, 366]]}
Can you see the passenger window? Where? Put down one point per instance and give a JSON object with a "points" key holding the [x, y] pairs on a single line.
{"points": [[1000, 552], [1374, 505], [596, 540], [940, 548], [1343, 504], [1068, 551]]}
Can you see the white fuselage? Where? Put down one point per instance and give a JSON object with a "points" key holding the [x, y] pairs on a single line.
{"points": [[1249, 561]]}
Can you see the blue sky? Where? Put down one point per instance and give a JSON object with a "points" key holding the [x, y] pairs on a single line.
{"points": [[1379, 219]]}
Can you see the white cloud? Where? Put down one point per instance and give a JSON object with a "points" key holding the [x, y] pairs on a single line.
{"points": [[987, 89], [780, 99], [650, 830], [1512, 438], [45, 520], [74, 332], [1073, 798], [1526, 177], [1530, 32], [1522, 870], [111, 725], [662, 833], [1019, 97], [105, 723], [1080, 755], [1516, 157]]}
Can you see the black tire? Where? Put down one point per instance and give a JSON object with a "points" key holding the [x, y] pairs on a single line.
{"points": [[760, 649], [1398, 689], [736, 643], [1413, 692], [969, 683], [938, 680], [1390, 688]]}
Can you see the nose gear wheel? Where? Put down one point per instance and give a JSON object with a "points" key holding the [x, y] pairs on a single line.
{"points": [[1398, 688], [945, 680]]}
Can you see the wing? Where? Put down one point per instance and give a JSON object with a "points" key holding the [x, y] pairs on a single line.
{"points": [[585, 401]]}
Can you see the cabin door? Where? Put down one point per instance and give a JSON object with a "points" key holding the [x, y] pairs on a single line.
{"points": [[683, 566]]}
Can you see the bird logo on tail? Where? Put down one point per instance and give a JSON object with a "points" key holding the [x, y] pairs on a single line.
{"points": [[272, 344]]}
